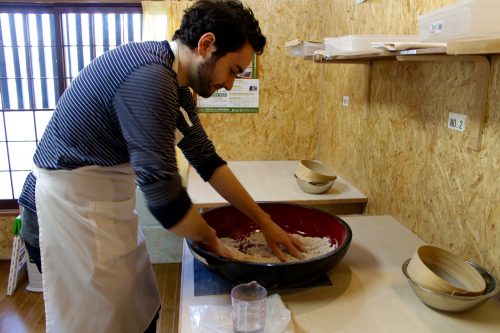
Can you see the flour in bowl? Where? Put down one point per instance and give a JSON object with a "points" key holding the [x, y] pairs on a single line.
{"points": [[254, 248]]}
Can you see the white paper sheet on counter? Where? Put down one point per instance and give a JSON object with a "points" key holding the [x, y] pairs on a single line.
{"points": [[217, 318]]}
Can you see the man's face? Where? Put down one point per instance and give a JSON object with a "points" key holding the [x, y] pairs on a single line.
{"points": [[210, 74]]}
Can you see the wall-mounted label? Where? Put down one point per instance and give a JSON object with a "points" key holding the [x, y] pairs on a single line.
{"points": [[457, 121], [408, 51], [345, 101], [436, 27]]}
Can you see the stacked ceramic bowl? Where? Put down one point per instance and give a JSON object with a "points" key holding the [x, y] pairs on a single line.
{"points": [[444, 281], [314, 177]]}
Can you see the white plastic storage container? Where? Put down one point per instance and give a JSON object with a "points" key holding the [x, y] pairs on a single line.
{"points": [[360, 44], [34, 278], [298, 48], [466, 19]]}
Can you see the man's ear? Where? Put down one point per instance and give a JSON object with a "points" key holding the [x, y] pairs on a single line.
{"points": [[206, 44]]}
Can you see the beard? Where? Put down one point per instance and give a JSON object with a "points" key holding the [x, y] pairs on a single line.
{"points": [[202, 78]]}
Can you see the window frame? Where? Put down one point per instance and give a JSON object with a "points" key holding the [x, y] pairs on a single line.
{"points": [[58, 9]]}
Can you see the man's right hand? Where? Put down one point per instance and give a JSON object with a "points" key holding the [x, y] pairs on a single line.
{"points": [[218, 248], [194, 227]]}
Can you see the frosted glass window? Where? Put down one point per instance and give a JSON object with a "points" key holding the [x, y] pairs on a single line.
{"points": [[18, 178], [5, 186], [35, 70], [15, 93], [42, 119], [20, 126], [2, 129], [46, 93], [24, 152], [4, 159]]}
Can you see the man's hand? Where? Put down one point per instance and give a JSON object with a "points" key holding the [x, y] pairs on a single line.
{"points": [[194, 227], [217, 247], [227, 185], [275, 236]]}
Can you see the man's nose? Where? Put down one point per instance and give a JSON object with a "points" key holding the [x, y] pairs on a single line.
{"points": [[228, 85]]}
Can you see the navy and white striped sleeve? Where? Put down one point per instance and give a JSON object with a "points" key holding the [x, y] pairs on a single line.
{"points": [[196, 146], [146, 106], [27, 197]]}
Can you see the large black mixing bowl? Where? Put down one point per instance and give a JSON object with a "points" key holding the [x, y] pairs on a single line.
{"points": [[230, 222]]}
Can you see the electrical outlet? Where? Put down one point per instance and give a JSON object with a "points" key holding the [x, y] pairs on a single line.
{"points": [[457, 121], [345, 101]]}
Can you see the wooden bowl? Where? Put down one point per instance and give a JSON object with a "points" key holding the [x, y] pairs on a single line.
{"points": [[437, 269], [314, 171]]}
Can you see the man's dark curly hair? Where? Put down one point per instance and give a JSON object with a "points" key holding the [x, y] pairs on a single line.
{"points": [[232, 24]]}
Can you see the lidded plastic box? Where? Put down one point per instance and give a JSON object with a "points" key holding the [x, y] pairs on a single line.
{"points": [[360, 44], [34, 278], [299, 48], [466, 19]]}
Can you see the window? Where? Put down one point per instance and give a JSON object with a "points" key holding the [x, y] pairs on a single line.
{"points": [[42, 48]]}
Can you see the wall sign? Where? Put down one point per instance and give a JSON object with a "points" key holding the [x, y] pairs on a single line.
{"points": [[457, 121]]}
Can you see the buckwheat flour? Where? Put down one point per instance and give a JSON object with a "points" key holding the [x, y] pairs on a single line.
{"points": [[255, 249]]}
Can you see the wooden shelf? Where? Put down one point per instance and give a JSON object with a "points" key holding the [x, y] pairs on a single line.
{"points": [[479, 50], [474, 46], [386, 55]]}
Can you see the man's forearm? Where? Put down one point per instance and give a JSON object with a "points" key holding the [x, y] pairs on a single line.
{"points": [[193, 226], [229, 187]]}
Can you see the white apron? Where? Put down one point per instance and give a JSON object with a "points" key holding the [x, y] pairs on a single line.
{"points": [[97, 276]]}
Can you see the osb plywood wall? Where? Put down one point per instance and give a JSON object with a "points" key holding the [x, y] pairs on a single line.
{"points": [[403, 156], [286, 125], [6, 237]]}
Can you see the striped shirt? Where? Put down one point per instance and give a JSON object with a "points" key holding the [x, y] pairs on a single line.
{"points": [[125, 107]]}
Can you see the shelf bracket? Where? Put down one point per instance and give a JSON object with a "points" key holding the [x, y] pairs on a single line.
{"points": [[368, 84], [480, 79]]}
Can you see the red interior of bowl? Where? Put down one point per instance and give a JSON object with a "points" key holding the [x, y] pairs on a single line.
{"points": [[309, 222]]}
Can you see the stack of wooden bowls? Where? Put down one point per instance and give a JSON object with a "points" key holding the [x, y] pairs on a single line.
{"points": [[314, 177], [444, 281]]}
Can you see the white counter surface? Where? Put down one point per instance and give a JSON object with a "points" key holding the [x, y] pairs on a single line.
{"points": [[369, 291], [271, 181]]}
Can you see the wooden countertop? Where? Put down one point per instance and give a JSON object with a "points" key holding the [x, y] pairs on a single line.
{"points": [[369, 291], [271, 181]]}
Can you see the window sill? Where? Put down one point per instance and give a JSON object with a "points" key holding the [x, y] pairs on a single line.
{"points": [[9, 212]]}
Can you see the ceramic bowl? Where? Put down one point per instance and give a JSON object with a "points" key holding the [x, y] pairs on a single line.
{"points": [[230, 222], [454, 303], [314, 171], [437, 269], [314, 187]]}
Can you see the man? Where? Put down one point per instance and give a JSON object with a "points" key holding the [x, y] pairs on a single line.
{"points": [[116, 126]]}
